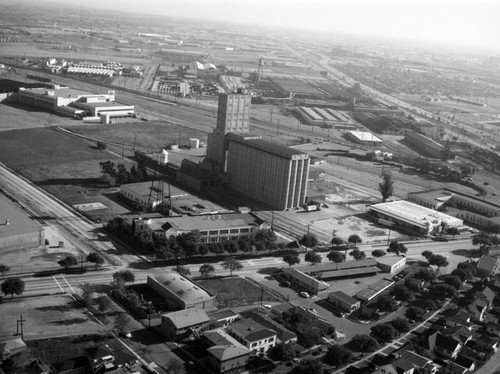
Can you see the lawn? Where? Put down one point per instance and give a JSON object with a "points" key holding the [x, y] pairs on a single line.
{"points": [[234, 291]]}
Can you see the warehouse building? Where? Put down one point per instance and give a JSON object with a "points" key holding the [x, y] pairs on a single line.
{"points": [[74, 103], [412, 217], [427, 146], [343, 301], [391, 264], [181, 292], [374, 290], [466, 207], [17, 231], [324, 117], [304, 281], [363, 137]]}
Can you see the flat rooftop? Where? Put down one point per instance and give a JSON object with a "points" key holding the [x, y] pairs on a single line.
{"points": [[389, 260], [145, 188], [206, 222], [18, 221], [415, 214], [365, 136], [443, 194], [59, 92], [104, 104], [266, 146]]}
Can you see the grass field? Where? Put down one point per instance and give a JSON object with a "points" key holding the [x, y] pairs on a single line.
{"points": [[234, 292], [46, 317]]}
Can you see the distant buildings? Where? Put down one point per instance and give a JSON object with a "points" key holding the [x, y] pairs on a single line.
{"points": [[74, 103], [324, 117], [427, 146]]}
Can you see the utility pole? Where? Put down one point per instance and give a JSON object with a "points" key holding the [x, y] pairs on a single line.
{"points": [[20, 323]]}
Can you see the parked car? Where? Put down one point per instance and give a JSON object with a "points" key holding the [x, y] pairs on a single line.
{"points": [[304, 294], [267, 306]]}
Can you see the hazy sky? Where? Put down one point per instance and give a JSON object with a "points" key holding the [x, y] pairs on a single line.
{"points": [[466, 22]]}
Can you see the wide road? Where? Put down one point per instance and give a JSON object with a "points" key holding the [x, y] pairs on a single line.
{"points": [[41, 204]]}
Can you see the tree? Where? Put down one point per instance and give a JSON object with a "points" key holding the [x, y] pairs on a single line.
{"points": [[427, 254], [336, 256], [206, 270], [400, 324], [355, 239], [428, 304], [378, 253], [101, 145], [282, 352], [452, 231], [95, 259], [69, 260], [103, 303], [336, 241], [426, 275], [337, 355], [397, 248], [122, 322], [413, 285], [386, 303], [308, 241], [465, 271], [126, 275], [386, 187], [401, 293], [232, 264], [439, 261], [415, 313], [357, 254], [266, 235], [363, 343], [184, 271], [87, 293], [442, 291], [291, 259], [309, 337], [313, 257], [310, 365], [453, 281], [13, 286], [4, 269], [383, 332]]}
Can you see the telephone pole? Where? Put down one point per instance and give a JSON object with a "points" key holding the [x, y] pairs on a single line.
{"points": [[20, 323]]}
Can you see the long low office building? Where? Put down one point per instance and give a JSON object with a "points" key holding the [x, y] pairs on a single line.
{"points": [[212, 228], [412, 217]]}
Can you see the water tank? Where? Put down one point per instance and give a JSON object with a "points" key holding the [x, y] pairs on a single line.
{"points": [[163, 157], [194, 143]]}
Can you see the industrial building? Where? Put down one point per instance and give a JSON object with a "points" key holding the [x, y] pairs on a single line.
{"points": [[181, 292], [233, 115], [363, 137], [412, 217], [374, 290], [305, 281], [427, 146], [300, 88], [391, 264], [267, 172], [323, 117], [74, 103], [17, 231], [348, 269], [212, 228], [469, 208], [343, 301], [182, 323]]}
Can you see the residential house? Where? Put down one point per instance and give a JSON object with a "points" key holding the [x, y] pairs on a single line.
{"points": [[343, 301], [406, 362], [224, 352], [253, 335], [447, 346], [454, 368], [183, 323], [493, 328], [105, 358], [282, 333], [460, 318], [487, 266], [11, 347], [466, 362], [222, 317], [482, 304]]}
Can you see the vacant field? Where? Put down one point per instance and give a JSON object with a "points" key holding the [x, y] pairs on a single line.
{"points": [[46, 317], [234, 291], [146, 136], [20, 117]]}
